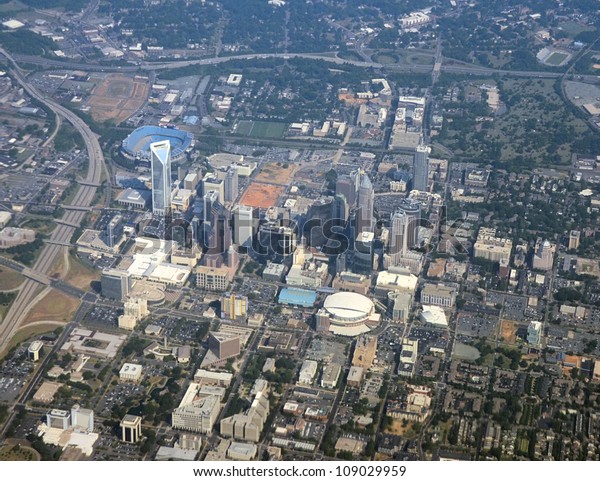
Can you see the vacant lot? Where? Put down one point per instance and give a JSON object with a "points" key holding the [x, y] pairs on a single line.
{"points": [[117, 97], [261, 195], [508, 331], [401, 428], [277, 173]]}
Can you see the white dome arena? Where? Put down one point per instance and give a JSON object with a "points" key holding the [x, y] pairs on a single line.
{"points": [[348, 307], [349, 313]]}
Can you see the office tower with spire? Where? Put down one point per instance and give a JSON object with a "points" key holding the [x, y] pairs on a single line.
{"points": [[421, 168], [160, 156], [364, 211], [404, 224]]}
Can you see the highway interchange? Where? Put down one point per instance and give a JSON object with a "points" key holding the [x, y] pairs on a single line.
{"points": [[64, 230]]}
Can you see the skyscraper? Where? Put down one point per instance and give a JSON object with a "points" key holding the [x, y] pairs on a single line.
{"points": [[231, 184], [345, 185], [363, 253], [317, 228], [421, 168], [161, 176], [364, 212], [404, 227], [114, 230], [243, 225], [115, 284]]}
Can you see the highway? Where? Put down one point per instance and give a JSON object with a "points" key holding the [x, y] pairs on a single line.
{"points": [[450, 66], [64, 230]]}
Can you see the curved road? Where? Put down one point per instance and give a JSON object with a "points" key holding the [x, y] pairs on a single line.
{"points": [[62, 233]]}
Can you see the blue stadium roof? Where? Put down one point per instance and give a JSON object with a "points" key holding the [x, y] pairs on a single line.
{"points": [[137, 143], [297, 297]]}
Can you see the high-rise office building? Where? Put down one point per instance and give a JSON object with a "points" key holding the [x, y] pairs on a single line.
{"points": [[404, 225], [341, 209], [114, 230], [234, 307], [421, 168], [115, 284], [363, 253], [231, 184], [317, 228], [364, 211], [213, 182], [345, 185], [161, 176], [276, 240], [224, 345], [82, 419], [243, 225]]}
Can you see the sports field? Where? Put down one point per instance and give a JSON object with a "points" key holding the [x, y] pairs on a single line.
{"points": [[261, 129], [556, 58]]}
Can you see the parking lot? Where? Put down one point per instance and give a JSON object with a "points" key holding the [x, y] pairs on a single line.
{"points": [[14, 373]]}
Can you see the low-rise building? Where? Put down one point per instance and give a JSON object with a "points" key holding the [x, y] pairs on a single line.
{"points": [[438, 295], [247, 426], [308, 371], [213, 378], [130, 372], [34, 351]]}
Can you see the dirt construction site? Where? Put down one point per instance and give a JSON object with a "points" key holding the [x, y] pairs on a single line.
{"points": [[261, 195], [117, 97]]}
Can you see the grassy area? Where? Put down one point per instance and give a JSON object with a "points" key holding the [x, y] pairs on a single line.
{"points": [[264, 130], [28, 332], [261, 129], [556, 58], [68, 138], [79, 274], [58, 267], [41, 224], [54, 307], [420, 59], [9, 279], [385, 58], [574, 28], [244, 127], [349, 55], [18, 453]]}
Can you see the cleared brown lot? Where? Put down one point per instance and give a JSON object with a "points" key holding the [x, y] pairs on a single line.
{"points": [[261, 195], [117, 98]]}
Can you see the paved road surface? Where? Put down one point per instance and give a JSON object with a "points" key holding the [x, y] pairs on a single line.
{"points": [[63, 232]]}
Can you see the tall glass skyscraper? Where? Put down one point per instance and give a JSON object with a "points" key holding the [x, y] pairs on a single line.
{"points": [[160, 154], [421, 168], [366, 199], [404, 224]]}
